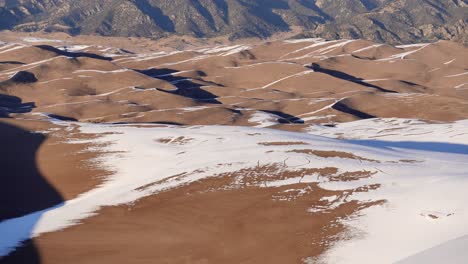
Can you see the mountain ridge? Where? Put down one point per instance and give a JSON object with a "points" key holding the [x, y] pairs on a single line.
{"points": [[402, 21]]}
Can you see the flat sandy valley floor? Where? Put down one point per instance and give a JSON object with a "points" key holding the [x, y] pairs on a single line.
{"points": [[203, 151]]}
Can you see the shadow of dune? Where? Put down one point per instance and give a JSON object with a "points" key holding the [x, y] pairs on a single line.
{"points": [[285, 118], [194, 93], [344, 76], [73, 54], [442, 147], [24, 193], [348, 110], [169, 123], [13, 62], [21, 77], [24, 77], [62, 118], [186, 87], [10, 104], [158, 73]]}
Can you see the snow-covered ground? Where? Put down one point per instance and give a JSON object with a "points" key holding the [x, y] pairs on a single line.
{"points": [[426, 201], [453, 251], [421, 169], [35, 40]]}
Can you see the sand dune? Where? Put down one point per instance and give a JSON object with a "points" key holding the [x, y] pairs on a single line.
{"points": [[231, 82]]}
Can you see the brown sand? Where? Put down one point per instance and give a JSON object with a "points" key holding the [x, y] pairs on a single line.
{"points": [[202, 223], [352, 80]]}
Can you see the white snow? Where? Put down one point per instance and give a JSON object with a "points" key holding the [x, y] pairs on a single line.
{"points": [[395, 129], [417, 45], [312, 118], [114, 91], [448, 62], [453, 252], [282, 79], [263, 119], [325, 50], [147, 56], [426, 198], [367, 48], [31, 65], [174, 74], [225, 50], [256, 64], [194, 59], [402, 56], [74, 48], [330, 48], [457, 75], [73, 103], [316, 44], [236, 50], [11, 48], [335, 101], [375, 80], [34, 40], [295, 41], [103, 72]]}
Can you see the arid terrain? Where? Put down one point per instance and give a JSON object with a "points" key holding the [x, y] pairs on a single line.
{"points": [[268, 84], [130, 150]]}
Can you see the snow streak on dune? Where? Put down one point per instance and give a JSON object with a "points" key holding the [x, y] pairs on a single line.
{"points": [[423, 185]]}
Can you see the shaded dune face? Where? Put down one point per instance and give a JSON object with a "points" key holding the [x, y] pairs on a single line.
{"points": [[41, 170], [22, 179], [274, 83], [24, 189]]}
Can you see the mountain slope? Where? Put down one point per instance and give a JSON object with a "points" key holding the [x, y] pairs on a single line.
{"points": [[401, 21]]}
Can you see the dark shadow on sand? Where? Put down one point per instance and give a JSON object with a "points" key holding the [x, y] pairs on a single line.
{"points": [[13, 104], [23, 189], [284, 118], [73, 54], [347, 77], [186, 87], [169, 123], [13, 62], [348, 110]]}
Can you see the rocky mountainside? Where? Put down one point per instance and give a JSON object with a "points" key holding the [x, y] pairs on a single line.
{"points": [[400, 21]]}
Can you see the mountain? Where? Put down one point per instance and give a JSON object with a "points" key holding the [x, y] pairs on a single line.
{"points": [[401, 21]]}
